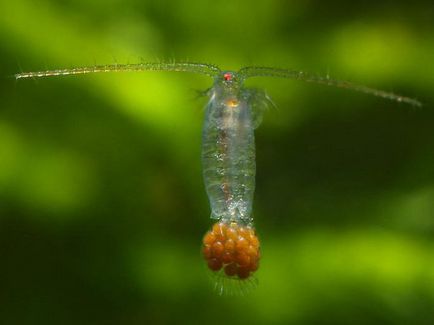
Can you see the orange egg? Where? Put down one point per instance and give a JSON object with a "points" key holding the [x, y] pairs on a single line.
{"points": [[230, 245], [227, 258], [252, 251], [231, 269], [215, 264], [254, 266], [242, 244], [242, 259], [217, 249], [232, 233], [244, 232], [209, 238], [207, 251], [254, 241], [219, 228], [243, 272]]}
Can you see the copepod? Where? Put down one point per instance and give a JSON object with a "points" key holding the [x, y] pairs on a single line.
{"points": [[231, 248]]}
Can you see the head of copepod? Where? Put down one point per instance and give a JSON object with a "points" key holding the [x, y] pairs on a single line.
{"points": [[229, 80], [231, 251], [228, 85]]}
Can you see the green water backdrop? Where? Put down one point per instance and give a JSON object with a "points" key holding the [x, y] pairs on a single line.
{"points": [[102, 204]]}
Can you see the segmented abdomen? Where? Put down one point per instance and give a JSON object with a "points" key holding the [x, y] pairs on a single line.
{"points": [[228, 157]]}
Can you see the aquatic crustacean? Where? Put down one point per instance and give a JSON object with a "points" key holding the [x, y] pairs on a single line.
{"points": [[231, 248]]}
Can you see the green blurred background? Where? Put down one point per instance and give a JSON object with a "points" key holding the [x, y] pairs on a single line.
{"points": [[102, 205]]}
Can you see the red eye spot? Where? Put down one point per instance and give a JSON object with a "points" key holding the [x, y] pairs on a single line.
{"points": [[227, 76]]}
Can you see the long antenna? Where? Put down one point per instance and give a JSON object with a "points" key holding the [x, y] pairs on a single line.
{"points": [[201, 68], [212, 70], [249, 72]]}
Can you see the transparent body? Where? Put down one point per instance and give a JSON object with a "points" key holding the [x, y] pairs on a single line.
{"points": [[228, 155]]}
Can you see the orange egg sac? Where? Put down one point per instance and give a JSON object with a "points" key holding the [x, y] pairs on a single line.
{"points": [[232, 248]]}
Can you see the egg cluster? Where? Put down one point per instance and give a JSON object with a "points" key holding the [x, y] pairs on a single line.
{"points": [[233, 248]]}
